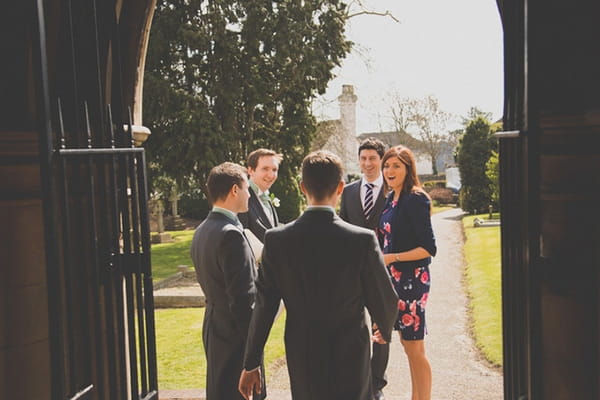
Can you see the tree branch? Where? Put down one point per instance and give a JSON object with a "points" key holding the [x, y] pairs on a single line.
{"points": [[380, 14]]}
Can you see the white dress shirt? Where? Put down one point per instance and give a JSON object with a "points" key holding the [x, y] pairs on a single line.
{"points": [[378, 185]]}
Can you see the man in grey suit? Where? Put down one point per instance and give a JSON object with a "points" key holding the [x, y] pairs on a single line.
{"points": [[263, 166], [225, 269], [326, 271], [362, 204]]}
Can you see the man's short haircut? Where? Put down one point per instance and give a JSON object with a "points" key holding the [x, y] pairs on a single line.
{"points": [[322, 171], [221, 178], [372, 144], [252, 161]]}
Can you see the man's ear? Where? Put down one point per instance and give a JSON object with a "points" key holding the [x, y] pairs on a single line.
{"points": [[340, 188], [302, 188]]}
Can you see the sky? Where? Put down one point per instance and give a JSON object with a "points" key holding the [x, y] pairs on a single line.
{"points": [[451, 49]]}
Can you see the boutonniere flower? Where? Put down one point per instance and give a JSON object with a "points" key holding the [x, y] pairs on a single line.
{"points": [[274, 200]]}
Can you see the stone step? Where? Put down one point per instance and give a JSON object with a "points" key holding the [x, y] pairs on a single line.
{"points": [[199, 394]]}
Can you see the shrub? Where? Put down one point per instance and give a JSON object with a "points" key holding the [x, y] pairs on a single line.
{"points": [[442, 195], [474, 151], [430, 177], [193, 204], [430, 185]]}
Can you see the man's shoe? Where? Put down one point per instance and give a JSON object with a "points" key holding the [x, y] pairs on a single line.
{"points": [[378, 395]]}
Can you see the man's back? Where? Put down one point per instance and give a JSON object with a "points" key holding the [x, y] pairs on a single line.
{"points": [[320, 258], [225, 270], [326, 271]]}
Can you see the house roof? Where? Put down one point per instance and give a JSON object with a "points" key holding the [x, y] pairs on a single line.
{"points": [[394, 138], [325, 129]]}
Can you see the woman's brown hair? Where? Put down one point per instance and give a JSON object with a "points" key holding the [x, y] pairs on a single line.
{"points": [[406, 156]]}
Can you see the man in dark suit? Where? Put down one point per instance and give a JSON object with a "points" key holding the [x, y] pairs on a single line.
{"points": [[226, 271], [263, 165], [362, 204], [326, 271]]}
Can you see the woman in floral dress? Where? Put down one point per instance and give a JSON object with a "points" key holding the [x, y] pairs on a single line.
{"points": [[407, 241]]}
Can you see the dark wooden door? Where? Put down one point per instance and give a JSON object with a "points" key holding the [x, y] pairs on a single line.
{"points": [[516, 174], [95, 207], [550, 191]]}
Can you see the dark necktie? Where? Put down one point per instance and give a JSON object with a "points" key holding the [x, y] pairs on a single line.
{"points": [[368, 206]]}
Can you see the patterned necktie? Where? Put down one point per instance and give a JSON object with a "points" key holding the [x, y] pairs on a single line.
{"points": [[368, 206]]}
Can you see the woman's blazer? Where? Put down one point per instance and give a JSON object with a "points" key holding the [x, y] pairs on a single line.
{"points": [[411, 225]]}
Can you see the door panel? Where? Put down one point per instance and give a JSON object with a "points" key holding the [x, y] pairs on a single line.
{"points": [[95, 203]]}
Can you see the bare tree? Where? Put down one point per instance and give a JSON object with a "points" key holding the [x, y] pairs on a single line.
{"points": [[401, 108], [429, 123], [358, 7]]}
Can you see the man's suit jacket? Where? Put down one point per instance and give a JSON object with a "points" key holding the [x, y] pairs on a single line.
{"points": [[255, 219], [225, 270], [326, 271], [351, 208]]}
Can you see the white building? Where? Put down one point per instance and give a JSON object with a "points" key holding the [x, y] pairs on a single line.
{"points": [[340, 137]]}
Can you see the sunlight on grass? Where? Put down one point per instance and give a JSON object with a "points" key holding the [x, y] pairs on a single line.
{"points": [[181, 360], [167, 256], [483, 276], [437, 209]]}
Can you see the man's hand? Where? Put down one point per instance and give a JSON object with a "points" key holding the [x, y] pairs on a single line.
{"points": [[249, 383]]}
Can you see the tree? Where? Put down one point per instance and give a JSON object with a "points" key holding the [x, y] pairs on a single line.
{"points": [[492, 171], [427, 120], [226, 77], [474, 151], [475, 112], [401, 109]]}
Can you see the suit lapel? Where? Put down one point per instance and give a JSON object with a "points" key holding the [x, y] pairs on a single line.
{"points": [[259, 210], [378, 206], [251, 250], [275, 218], [358, 201]]}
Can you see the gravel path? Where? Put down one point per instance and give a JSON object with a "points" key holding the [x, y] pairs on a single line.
{"points": [[458, 371]]}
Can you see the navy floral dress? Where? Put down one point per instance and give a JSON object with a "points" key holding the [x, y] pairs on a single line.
{"points": [[410, 279]]}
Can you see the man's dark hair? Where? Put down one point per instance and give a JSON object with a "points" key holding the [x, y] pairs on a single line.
{"points": [[372, 144], [221, 178], [252, 161], [321, 173]]}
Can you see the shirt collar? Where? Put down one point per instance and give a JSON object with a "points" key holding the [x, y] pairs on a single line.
{"points": [[377, 182], [256, 189], [228, 213], [320, 208]]}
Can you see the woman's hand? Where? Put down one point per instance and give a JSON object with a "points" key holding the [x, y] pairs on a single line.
{"points": [[418, 253], [377, 337]]}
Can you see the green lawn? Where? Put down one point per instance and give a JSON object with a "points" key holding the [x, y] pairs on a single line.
{"points": [[437, 209], [483, 277], [181, 361], [167, 256]]}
